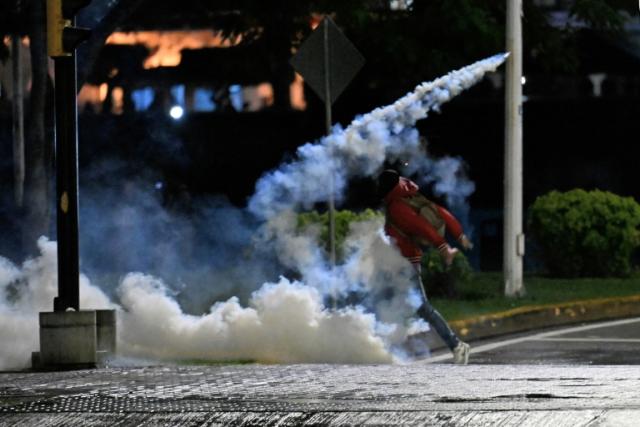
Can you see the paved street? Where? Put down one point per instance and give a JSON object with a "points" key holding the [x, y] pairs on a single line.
{"points": [[605, 343], [522, 390]]}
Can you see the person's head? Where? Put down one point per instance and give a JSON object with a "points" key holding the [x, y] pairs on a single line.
{"points": [[387, 180]]}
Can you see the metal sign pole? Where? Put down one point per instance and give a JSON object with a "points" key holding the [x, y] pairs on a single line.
{"points": [[328, 73], [327, 109]]}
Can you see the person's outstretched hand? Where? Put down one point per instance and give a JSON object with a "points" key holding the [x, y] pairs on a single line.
{"points": [[465, 242], [448, 254]]}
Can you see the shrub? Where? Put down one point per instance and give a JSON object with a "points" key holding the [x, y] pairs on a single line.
{"points": [[440, 280], [343, 219], [582, 233]]}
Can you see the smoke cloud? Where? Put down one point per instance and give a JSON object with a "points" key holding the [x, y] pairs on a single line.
{"points": [[202, 249], [248, 284], [26, 291], [285, 322], [386, 134]]}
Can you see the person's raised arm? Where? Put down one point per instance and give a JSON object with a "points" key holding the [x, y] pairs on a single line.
{"points": [[454, 228]]}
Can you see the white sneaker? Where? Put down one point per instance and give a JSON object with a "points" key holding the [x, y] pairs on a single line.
{"points": [[461, 353]]}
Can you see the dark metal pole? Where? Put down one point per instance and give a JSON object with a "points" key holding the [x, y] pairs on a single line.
{"points": [[67, 183], [327, 109]]}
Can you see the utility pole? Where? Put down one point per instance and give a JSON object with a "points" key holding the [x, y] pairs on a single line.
{"points": [[513, 249], [62, 39], [70, 338]]}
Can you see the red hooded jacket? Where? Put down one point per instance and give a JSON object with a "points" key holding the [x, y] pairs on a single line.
{"points": [[404, 223]]}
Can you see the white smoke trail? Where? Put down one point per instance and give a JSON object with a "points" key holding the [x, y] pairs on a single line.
{"points": [[285, 321], [385, 134]]}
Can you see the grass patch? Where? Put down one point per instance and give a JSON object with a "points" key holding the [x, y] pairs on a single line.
{"points": [[484, 293]]}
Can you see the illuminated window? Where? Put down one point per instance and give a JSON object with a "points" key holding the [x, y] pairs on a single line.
{"points": [[203, 100], [117, 99], [177, 93], [236, 97], [142, 98]]}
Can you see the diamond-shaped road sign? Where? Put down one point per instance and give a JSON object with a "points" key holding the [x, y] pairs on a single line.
{"points": [[327, 51]]}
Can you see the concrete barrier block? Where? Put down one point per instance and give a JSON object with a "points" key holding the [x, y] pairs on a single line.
{"points": [[106, 331], [68, 339]]}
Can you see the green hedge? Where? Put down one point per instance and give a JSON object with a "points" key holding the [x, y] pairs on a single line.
{"points": [[439, 280], [582, 233], [343, 219]]}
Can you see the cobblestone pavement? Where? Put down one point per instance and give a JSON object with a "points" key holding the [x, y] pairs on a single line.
{"points": [[414, 394]]}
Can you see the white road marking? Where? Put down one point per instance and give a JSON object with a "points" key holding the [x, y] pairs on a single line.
{"points": [[534, 337], [632, 340]]}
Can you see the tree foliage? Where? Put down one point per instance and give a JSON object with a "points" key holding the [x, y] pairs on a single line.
{"points": [[433, 36]]}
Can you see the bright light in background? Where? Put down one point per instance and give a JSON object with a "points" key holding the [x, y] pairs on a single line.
{"points": [[117, 100], [257, 97], [296, 91], [400, 4], [93, 96], [176, 112], [236, 97], [142, 98], [165, 46], [203, 100], [103, 90], [178, 94], [523, 80]]}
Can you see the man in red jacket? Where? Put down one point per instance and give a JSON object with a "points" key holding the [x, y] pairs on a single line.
{"points": [[413, 221]]}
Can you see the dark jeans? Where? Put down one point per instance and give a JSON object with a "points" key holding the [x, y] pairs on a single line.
{"points": [[435, 319]]}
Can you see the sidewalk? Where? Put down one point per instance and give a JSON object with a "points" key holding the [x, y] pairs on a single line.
{"points": [[264, 395], [127, 393]]}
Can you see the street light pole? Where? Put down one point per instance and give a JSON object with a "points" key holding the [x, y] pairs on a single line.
{"points": [[513, 250]]}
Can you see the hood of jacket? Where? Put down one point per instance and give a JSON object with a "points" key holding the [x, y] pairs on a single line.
{"points": [[404, 188]]}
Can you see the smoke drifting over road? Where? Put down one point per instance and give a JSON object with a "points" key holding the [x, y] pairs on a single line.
{"points": [[272, 318]]}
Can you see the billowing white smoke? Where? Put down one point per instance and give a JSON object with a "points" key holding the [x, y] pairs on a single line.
{"points": [[286, 321], [385, 134], [27, 291], [374, 273]]}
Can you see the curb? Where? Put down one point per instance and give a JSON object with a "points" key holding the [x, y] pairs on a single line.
{"points": [[526, 318]]}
